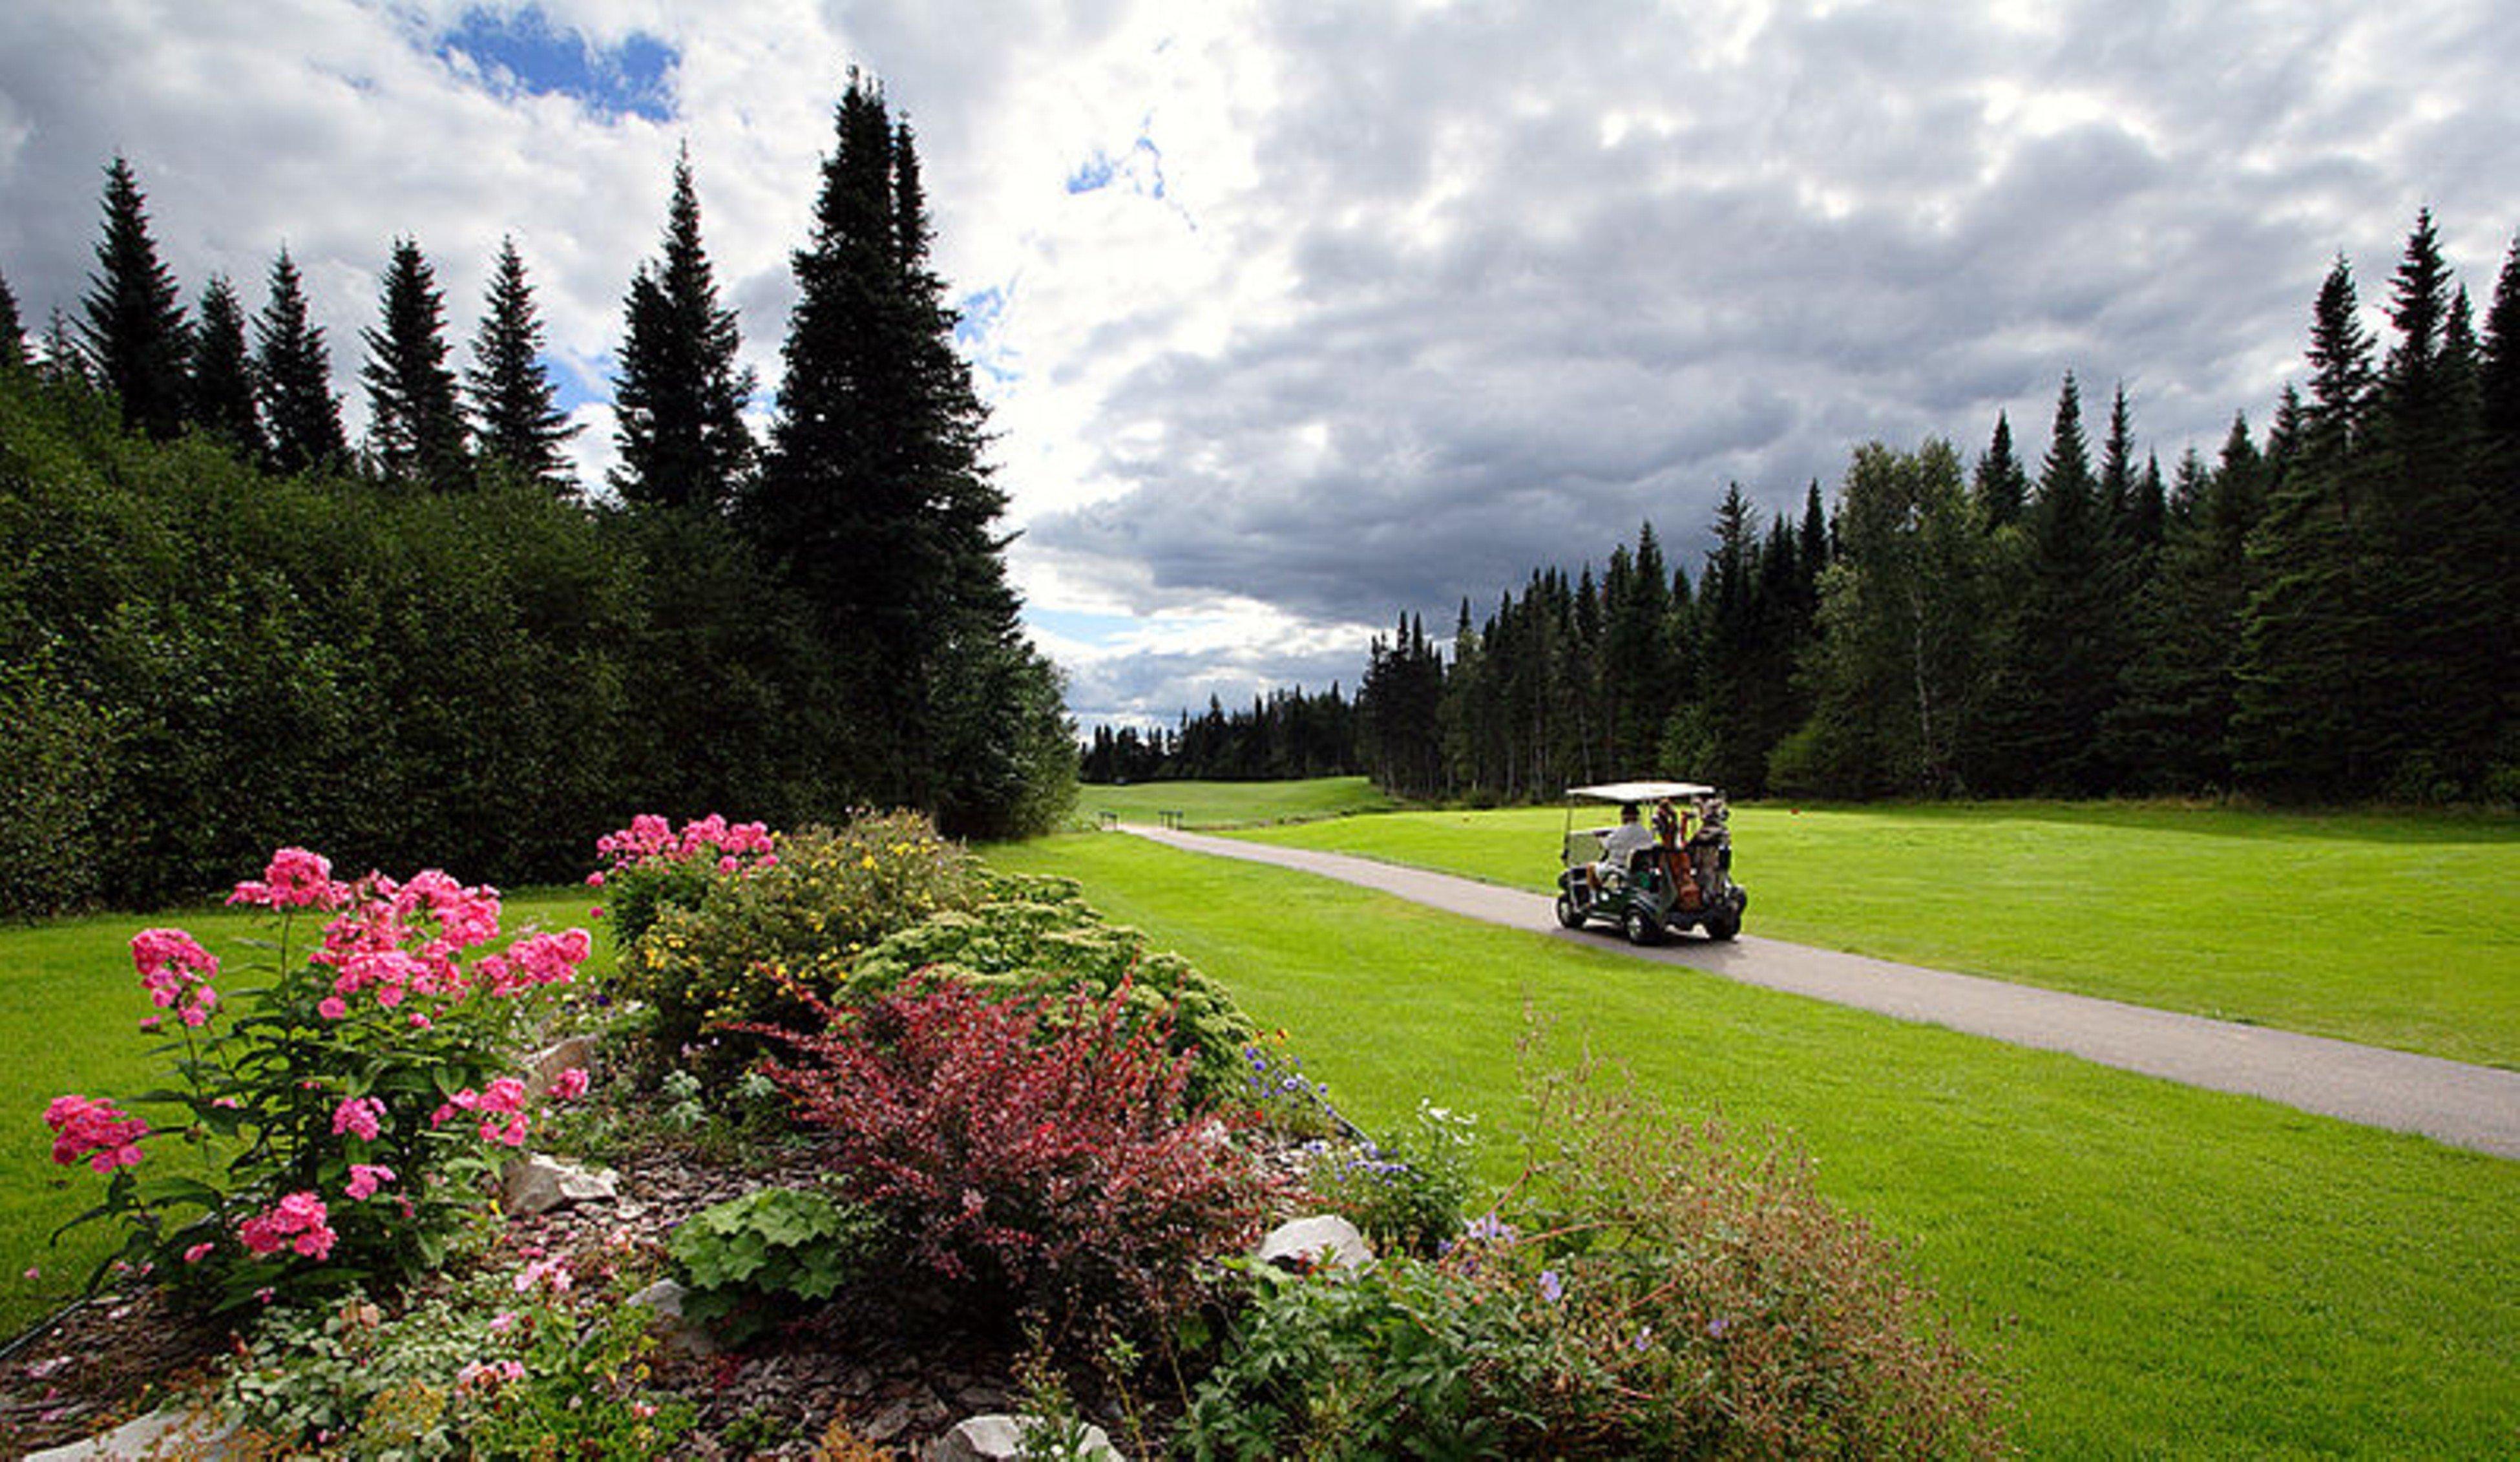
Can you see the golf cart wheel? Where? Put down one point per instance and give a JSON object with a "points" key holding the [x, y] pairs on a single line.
{"points": [[1642, 928], [1568, 914], [1723, 924]]}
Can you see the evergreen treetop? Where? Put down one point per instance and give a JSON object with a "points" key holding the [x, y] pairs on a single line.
{"points": [[223, 403], [512, 395], [137, 338], [294, 374], [680, 400], [416, 432]]}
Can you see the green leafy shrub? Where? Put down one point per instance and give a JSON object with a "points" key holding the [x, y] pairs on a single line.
{"points": [[757, 945], [749, 1261], [1037, 937], [1408, 1189], [1653, 1289], [530, 1365]]}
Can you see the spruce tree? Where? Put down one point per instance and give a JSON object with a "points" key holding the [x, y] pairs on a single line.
{"points": [[521, 426], [2057, 669], [2306, 666], [680, 400], [874, 503], [2001, 485], [223, 374], [293, 373], [2498, 481], [12, 331], [135, 331], [416, 433]]}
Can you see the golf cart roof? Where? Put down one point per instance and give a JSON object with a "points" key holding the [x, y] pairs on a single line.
{"points": [[1639, 792]]}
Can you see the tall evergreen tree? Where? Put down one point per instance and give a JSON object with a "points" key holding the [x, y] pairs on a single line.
{"points": [[222, 372], [416, 429], [2306, 665], [136, 335], [875, 502], [2497, 478], [12, 330], [513, 394], [2002, 486], [2058, 676], [294, 374], [682, 393]]}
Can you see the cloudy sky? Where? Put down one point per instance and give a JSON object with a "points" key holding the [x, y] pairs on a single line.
{"points": [[1297, 316]]}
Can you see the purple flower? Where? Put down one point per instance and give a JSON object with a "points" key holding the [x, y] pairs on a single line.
{"points": [[1552, 1288]]}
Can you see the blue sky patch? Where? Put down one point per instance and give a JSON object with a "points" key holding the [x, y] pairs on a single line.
{"points": [[522, 54]]}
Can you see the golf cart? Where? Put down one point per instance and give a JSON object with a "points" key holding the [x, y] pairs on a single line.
{"points": [[1675, 876]]}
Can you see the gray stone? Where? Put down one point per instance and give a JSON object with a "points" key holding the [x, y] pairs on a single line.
{"points": [[682, 1335], [172, 1433], [1000, 1438], [538, 1184], [1324, 1241], [544, 1066]]}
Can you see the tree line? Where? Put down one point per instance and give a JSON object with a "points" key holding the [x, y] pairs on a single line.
{"points": [[2330, 613], [1285, 735], [223, 627]]}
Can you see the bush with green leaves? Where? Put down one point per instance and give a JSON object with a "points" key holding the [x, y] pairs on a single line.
{"points": [[549, 1361], [756, 945], [1407, 1189], [750, 1261], [1650, 1288], [1037, 938]]}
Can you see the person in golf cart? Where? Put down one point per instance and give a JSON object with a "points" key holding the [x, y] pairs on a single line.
{"points": [[1623, 842]]}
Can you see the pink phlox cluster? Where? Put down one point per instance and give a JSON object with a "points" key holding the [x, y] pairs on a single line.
{"points": [[296, 1223], [176, 971], [295, 880], [569, 1085], [537, 959], [360, 1116], [501, 1106], [550, 1274], [106, 1137], [402, 939], [366, 1178], [651, 839], [489, 1375]]}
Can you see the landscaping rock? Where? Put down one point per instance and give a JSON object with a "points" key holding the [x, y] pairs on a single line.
{"points": [[172, 1433], [1322, 1242], [544, 1066], [540, 1184], [682, 1336], [1000, 1438]]}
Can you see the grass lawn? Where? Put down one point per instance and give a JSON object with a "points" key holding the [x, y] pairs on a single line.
{"points": [[1220, 805], [2395, 931], [2155, 1270], [70, 1008]]}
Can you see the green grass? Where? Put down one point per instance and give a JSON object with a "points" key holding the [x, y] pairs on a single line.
{"points": [[1221, 804], [69, 1011], [2395, 931], [2156, 1270]]}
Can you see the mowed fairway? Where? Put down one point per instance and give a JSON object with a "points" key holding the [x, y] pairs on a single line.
{"points": [[2400, 932], [1227, 804], [2156, 1270], [71, 1009]]}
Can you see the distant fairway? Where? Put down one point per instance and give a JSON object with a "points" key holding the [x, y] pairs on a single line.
{"points": [[2400, 931], [1227, 804]]}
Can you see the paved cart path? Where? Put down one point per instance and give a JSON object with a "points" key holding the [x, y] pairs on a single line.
{"points": [[2466, 1106]]}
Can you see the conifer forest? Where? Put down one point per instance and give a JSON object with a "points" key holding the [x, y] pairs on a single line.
{"points": [[224, 626]]}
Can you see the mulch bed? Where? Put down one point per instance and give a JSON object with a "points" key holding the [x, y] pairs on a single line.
{"points": [[884, 1378]]}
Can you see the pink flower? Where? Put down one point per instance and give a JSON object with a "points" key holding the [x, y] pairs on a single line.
{"points": [[594, 880], [366, 1178], [551, 1274], [298, 1222], [95, 1130], [295, 880], [198, 1252], [570, 1085], [360, 1116], [334, 1008], [420, 1021]]}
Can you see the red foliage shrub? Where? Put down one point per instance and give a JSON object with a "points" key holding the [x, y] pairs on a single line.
{"points": [[1046, 1153]]}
